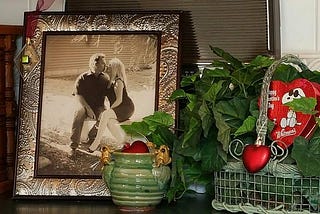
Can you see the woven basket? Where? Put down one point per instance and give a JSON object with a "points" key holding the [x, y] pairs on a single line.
{"points": [[278, 188]]}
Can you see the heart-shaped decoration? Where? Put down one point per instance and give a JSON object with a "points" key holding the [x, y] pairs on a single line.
{"points": [[255, 157], [288, 123], [137, 146]]}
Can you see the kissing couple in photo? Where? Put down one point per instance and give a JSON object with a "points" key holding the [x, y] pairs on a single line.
{"points": [[101, 95]]}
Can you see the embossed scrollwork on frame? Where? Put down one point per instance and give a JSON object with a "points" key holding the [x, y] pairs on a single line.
{"points": [[165, 24]]}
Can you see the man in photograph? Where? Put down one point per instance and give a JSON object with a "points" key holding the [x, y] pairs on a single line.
{"points": [[91, 90]]}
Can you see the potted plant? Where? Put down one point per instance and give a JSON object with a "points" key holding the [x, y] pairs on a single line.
{"points": [[220, 104]]}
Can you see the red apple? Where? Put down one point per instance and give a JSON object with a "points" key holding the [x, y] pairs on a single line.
{"points": [[137, 146]]}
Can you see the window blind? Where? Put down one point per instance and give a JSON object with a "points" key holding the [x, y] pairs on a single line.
{"points": [[244, 28]]}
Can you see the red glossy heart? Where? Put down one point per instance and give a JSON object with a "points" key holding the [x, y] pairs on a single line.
{"points": [[137, 147], [290, 124], [255, 157]]}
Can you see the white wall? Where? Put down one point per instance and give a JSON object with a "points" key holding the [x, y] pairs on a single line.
{"points": [[300, 30], [12, 11]]}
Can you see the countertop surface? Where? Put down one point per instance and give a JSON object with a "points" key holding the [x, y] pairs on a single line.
{"points": [[189, 204]]}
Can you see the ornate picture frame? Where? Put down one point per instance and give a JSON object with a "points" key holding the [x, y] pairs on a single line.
{"points": [[57, 49]]}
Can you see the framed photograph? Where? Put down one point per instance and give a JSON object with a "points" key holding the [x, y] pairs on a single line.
{"points": [[71, 57]]}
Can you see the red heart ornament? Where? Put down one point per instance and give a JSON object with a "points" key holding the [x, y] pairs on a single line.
{"points": [[255, 157], [137, 147], [288, 123]]}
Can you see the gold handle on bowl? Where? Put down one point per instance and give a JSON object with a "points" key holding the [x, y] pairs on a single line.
{"points": [[162, 156], [105, 155]]}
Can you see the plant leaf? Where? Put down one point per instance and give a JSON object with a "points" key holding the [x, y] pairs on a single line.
{"points": [[155, 127], [189, 80], [254, 108], [234, 111], [159, 118], [193, 152], [137, 129], [286, 73], [228, 57], [212, 93], [224, 130], [243, 76], [222, 64], [216, 72], [262, 61], [313, 76], [177, 185], [309, 188], [206, 118], [178, 94], [248, 125], [192, 172], [212, 156], [307, 155], [163, 136], [306, 105], [192, 99], [192, 136]]}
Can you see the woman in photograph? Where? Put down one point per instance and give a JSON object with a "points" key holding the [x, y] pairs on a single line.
{"points": [[121, 105]]}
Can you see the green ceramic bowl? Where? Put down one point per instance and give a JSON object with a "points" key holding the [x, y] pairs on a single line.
{"points": [[134, 182]]}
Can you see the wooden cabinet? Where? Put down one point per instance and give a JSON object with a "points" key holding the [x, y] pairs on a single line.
{"points": [[8, 36]]}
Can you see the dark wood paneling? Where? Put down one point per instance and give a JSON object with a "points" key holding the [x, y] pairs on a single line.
{"points": [[8, 36]]}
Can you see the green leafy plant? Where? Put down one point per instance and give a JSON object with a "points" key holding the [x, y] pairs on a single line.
{"points": [[156, 128], [217, 102], [218, 105]]}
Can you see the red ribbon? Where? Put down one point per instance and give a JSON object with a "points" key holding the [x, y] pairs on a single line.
{"points": [[32, 17], [43, 5]]}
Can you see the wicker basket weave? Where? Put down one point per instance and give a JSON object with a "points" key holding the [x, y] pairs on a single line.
{"points": [[278, 188]]}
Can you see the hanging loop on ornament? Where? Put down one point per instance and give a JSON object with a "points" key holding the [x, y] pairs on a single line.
{"points": [[279, 150], [236, 147]]}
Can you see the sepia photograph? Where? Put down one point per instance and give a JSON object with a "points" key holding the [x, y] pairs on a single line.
{"points": [[92, 83]]}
